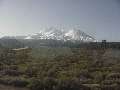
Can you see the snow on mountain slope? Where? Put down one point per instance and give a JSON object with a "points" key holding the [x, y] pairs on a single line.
{"points": [[62, 34], [54, 33]]}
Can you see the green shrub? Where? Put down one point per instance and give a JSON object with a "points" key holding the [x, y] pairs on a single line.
{"points": [[15, 81]]}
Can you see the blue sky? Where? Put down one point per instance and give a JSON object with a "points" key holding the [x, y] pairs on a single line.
{"points": [[99, 18]]}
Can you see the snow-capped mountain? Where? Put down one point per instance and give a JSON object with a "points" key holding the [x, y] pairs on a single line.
{"points": [[62, 34], [71, 34]]}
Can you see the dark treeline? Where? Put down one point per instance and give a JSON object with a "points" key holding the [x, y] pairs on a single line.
{"points": [[13, 43]]}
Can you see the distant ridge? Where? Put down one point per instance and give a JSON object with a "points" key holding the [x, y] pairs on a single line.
{"points": [[71, 34]]}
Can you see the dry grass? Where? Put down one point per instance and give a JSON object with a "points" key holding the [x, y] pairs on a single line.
{"points": [[3, 87]]}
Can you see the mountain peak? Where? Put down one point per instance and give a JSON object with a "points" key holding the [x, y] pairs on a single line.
{"points": [[62, 34], [54, 33]]}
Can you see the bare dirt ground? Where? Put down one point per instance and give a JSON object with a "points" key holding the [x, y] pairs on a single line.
{"points": [[3, 87]]}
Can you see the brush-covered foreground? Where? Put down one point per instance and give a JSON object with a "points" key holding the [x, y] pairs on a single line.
{"points": [[61, 68]]}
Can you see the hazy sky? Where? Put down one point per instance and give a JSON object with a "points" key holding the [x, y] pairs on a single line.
{"points": [[100, 18]]}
